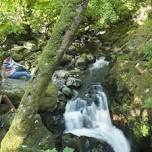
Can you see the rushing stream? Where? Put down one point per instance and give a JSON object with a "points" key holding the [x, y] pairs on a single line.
{"points": [[89, 115]]}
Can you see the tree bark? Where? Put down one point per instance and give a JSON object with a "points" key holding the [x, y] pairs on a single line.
{"points": [[62, 36]]}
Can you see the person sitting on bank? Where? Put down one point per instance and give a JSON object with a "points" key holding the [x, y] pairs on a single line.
{"points": [[14, 70]]}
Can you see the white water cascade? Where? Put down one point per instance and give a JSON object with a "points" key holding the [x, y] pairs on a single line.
{"points": [[89, 116]]}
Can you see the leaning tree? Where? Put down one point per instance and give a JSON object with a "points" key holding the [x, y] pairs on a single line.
{"points": [[59, 42]]}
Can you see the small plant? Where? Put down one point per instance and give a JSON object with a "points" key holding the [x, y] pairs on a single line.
{"points": [[67, 149], [1, 57], [148, 102], [148, 50], [53, 150]]}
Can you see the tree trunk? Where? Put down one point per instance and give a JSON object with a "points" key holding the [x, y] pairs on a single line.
{"points": [[62, 36]]}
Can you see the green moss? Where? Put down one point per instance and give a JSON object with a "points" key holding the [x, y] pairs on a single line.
{"points": [[122, 58], [148, 102], [148, 50], [141, 129]]}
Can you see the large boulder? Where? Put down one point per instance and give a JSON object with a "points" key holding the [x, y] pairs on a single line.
{"points": [[73, 82], [67, 91], [66, 60], [82, 62], [85, 144], [59, 78], [14, 89], [30, 46]]}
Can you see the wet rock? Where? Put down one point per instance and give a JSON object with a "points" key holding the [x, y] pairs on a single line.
{"points": [[67, 91], [82, 62], [17, 57], [60, 83], [59, 78], [85, 144], [66, 59], [91, 58], [18, 48], [30, 46], [73, 82], [61, 97], [14, 89], [69, 140], [93, 44], [72, 64], [72, 51], [60, 74], [98, 146]]}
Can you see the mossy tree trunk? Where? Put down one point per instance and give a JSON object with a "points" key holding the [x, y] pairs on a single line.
{"points": [[62, 36]]}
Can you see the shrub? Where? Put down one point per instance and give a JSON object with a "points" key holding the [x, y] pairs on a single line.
{"points": [[148, 102], [1, 57], [148, 50]]}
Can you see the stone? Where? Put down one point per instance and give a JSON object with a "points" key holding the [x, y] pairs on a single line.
{"points": [[67, 91], [72, 50], [17, 48], [66, 59], [81, 62], [93, 45], [17, 57], [61, 97], [14, 89], [91, 58], [60, 74], [69, 140], [30, 46], [59, 78], [73, 82]]}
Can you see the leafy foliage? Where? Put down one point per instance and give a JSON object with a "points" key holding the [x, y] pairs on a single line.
{"points": [[141, 129], [148, 50], [1, 57], [16, 14], [148, 102], [41, 15], [102, 13]]}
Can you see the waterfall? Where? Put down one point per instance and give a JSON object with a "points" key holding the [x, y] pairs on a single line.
{"points": [[89, 115]]}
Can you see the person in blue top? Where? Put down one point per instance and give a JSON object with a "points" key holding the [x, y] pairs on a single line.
{"points": [[14, 70]]}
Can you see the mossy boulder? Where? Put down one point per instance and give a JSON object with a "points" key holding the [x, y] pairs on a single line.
{"points": [[66, 59], [14, 89], [82, 62], [17, 56]]}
